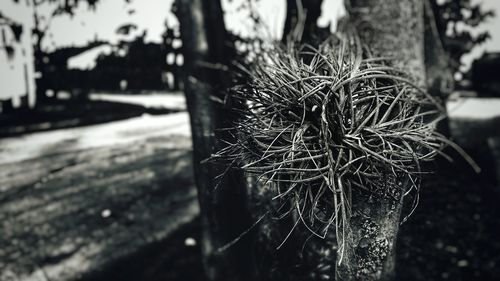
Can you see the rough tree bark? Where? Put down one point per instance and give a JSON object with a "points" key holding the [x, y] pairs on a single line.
{"points": [[391, 28], [207, 54]]}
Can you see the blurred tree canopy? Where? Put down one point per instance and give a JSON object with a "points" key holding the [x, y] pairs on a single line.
{"points": [[454, 21], [61, 7], [17, 30], [65, 6], [41, 25]]}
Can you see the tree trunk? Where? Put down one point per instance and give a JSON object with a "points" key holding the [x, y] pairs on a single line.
{"points": [[207, 54], [291, 20], [440, 82], [311, 11], [439, 77], [390, 28]]}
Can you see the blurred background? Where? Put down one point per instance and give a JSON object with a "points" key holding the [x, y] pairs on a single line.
{"points": [[95, 149]]}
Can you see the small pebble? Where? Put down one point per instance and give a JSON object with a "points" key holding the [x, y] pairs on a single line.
{"points": [[324, 277], [462, 263], [106, 213], [451, 249], [190, 242]]}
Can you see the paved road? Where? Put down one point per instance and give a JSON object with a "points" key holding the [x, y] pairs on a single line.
{"points": [[74, 200]]}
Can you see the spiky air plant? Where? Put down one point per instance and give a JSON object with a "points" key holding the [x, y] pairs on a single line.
{"points": [[316, 124]]}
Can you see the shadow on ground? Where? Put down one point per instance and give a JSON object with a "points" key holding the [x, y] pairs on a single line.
{"points": [[453, 235]]}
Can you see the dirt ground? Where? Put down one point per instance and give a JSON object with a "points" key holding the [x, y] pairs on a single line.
{"points": [[75, 201], [78, 208], [453, 235]]}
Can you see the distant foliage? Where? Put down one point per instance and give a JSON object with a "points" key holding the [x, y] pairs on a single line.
{"points": [[65, 6], [16, 29], [454, 20]]}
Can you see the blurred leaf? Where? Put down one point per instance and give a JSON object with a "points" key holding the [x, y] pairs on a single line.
{"points": [[125, 29]]}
